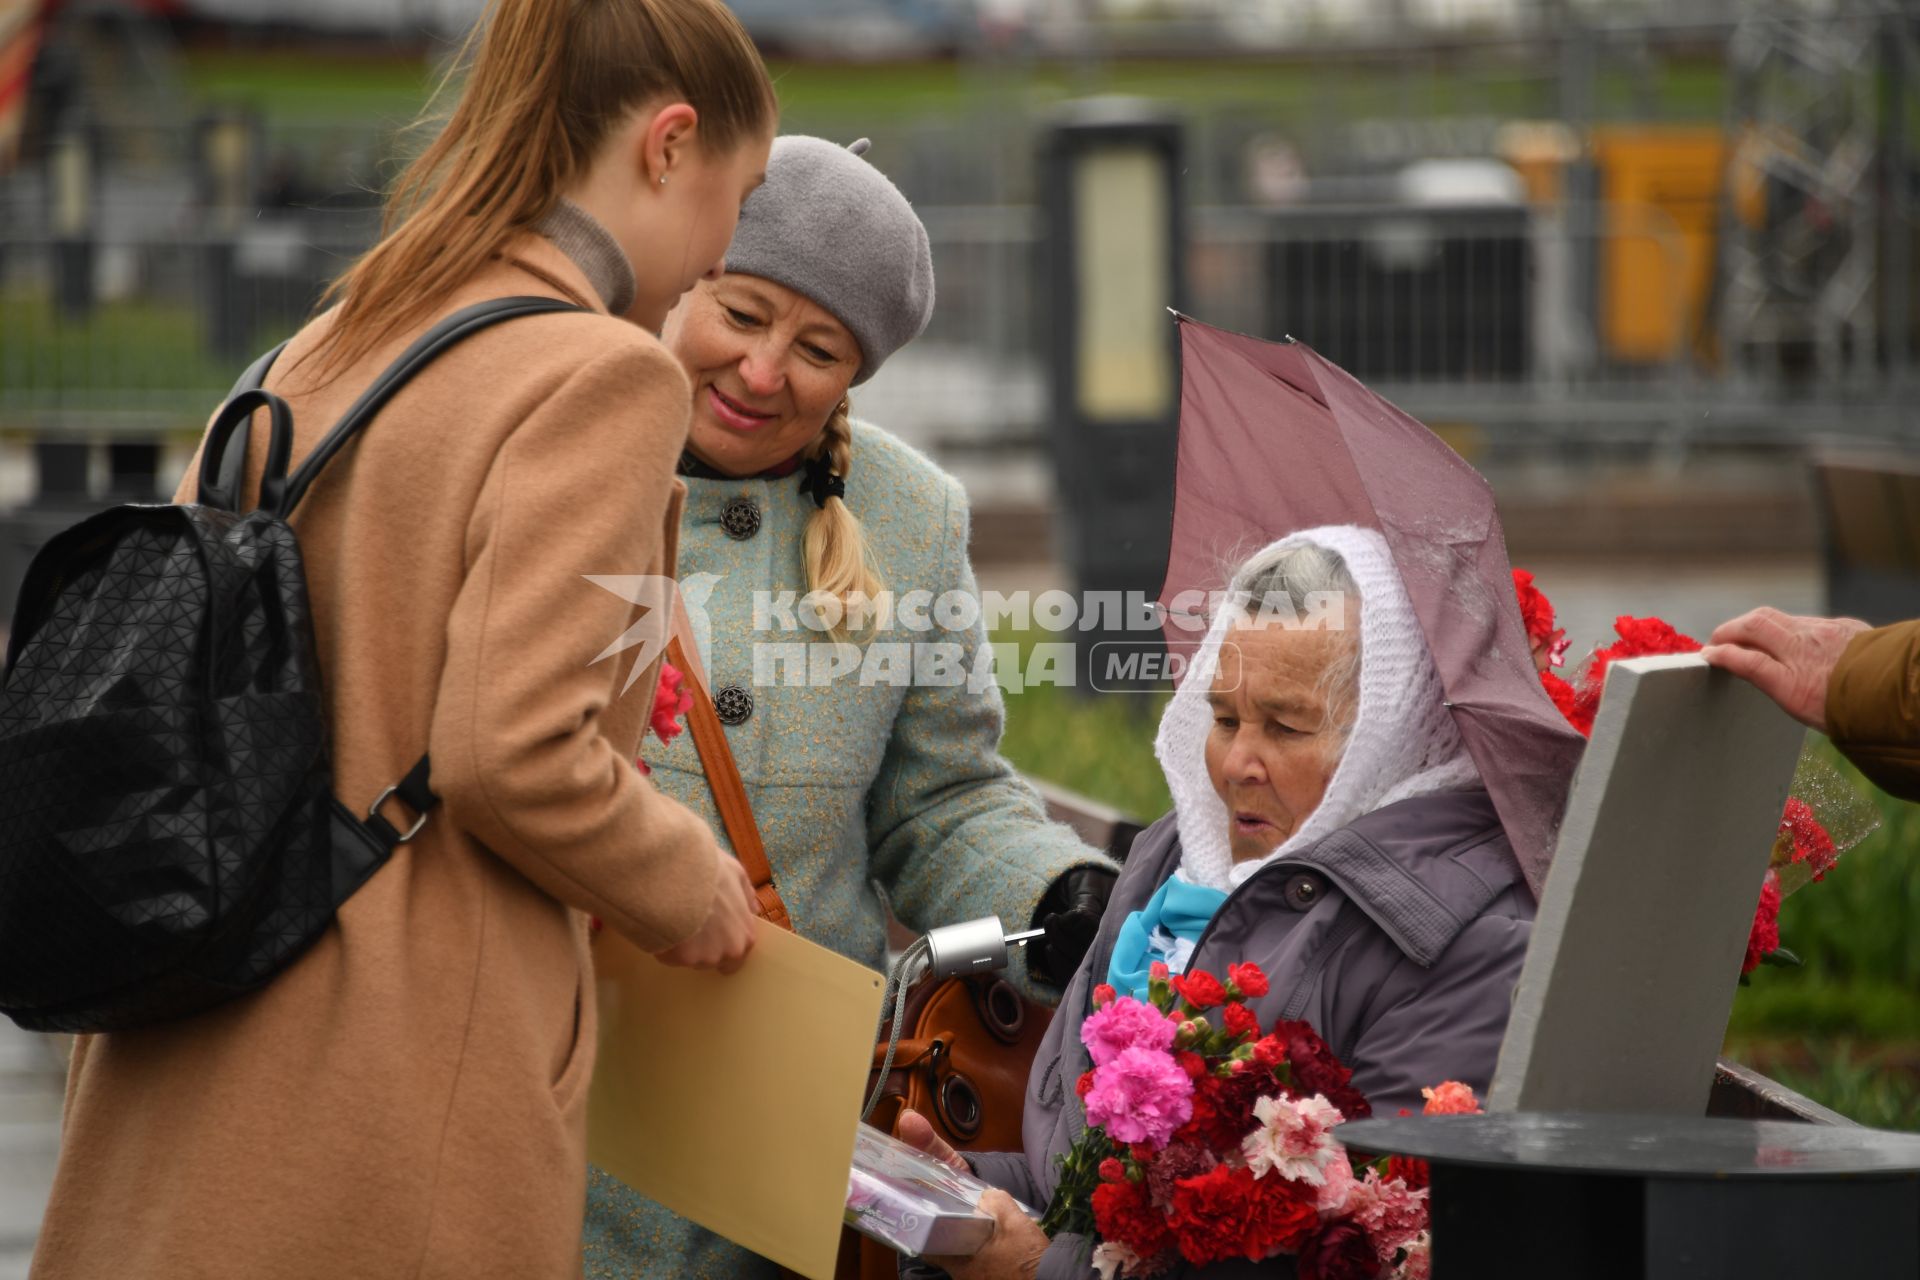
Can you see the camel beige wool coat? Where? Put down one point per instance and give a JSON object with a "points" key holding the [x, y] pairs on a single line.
{"points": [[408, 1098], [1873, 706]]}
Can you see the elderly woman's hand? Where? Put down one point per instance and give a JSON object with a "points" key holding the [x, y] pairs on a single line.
{"points": [[917, 1131], [1011, 1253], [1790, 659]]}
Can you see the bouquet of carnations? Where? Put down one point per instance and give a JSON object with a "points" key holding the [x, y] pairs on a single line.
{"points": [[1824, 815], [1209, 1141]]}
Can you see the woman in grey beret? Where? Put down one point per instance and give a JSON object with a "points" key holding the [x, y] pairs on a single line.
{"points": [[870, 772]]}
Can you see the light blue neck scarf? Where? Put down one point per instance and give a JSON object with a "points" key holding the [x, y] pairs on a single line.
{"points": [[1181, 908]]}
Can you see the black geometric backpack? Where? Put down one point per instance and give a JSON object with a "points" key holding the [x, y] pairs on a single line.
{"points": [[169, 837]]}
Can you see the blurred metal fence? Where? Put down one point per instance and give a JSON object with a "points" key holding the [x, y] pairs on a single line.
{"points": [[1481, 314]]}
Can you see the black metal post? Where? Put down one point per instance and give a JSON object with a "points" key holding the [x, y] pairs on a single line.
{"points": [[1114, 418]]}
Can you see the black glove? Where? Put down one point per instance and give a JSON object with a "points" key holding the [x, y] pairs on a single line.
{"points": [[1070, 912]]}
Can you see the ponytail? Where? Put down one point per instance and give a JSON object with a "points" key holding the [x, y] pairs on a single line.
{"points": [[838, 560], [541, 85]]}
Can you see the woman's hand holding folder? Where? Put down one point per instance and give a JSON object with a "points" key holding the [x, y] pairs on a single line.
{"points": [[724, 941]]}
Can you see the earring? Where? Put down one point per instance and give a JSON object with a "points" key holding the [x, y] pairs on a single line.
{"points": [[663, 179]]}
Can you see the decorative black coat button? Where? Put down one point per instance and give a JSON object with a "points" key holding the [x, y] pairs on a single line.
{"points": [[740, 517], [1304, 890], [733, 704]]}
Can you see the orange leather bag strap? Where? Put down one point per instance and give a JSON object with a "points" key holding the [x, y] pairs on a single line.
{"points": [[729, 793]]}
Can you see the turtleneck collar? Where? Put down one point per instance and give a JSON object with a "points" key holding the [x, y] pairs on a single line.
{"points": [[592, 248], [693, 467]]}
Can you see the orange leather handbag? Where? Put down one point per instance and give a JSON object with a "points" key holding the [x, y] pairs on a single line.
{"points": [[966, 1044]]}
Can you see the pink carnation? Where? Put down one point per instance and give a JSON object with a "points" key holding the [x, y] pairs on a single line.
{"points": [[1392, 1212], [1450, 1099], [1418, 1264], [1295, 1139], [1140, 1096], [1334, 1192], [1125, 1023]]}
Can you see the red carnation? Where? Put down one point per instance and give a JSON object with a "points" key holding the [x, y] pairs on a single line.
{"points": [[670, 702], [1764, 937], [1121, 1213], [1103, 995], [1639, 638], [1567, 701], [1414, 1173], [1111, 1170], [1179, 1160], [1228, 1213], [1343, 1251], [1200, 989], [1350, 1102], [1192, 1063], [1084, 1085], [1270, 1051], [1811, 843], [1317, 1070], [1240, 1021], [1223, 1108], [1548, 643], [1250, 978]]}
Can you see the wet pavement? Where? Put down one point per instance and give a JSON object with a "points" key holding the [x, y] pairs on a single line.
{"points": [[31, 1074]]}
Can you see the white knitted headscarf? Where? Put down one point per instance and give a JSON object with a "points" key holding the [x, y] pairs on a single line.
{"points": [[1403, 742]]}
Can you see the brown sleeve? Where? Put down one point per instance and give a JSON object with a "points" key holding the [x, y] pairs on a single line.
{"points": [[533, 740], [1873, 707]]}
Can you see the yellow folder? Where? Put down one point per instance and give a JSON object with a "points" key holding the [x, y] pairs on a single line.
{"points": [[733, 1100]]}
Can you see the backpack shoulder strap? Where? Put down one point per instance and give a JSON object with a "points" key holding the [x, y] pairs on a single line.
{"points": [[233, 462], [425, 349]]}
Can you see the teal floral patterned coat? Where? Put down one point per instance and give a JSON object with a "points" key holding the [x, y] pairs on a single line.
{"points": [[863, 781]]}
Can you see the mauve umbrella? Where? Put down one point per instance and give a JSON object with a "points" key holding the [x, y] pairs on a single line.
{"points": [[1275, 438]]}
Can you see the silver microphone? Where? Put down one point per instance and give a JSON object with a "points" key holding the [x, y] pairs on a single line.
{"points": [[973, 946]]}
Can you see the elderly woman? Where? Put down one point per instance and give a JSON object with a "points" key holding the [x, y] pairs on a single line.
{"points": [[868, 775], [1329, 826]]}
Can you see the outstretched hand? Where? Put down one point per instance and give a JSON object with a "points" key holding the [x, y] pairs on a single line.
{"points": [[1013, 1251], [1787, 658]]}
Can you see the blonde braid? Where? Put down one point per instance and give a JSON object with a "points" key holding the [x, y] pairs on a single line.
{"points": [[835, 547]]}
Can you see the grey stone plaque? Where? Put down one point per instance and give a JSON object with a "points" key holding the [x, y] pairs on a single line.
{"points": [[1623, 1001]]}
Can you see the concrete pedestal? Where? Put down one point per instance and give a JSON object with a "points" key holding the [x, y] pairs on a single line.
{"points": [[1660, 1198]]}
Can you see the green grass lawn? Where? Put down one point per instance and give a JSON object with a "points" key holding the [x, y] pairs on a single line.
{"points": [[1844, 1028], [294, 86], [1100, 746], [126, 354], [288, 86]]}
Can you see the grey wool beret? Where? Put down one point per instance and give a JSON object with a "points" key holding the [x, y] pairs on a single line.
{"points": [[829, 225]]}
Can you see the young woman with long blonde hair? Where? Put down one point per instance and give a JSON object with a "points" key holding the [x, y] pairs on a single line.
{"points": [[408, 1097]]}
